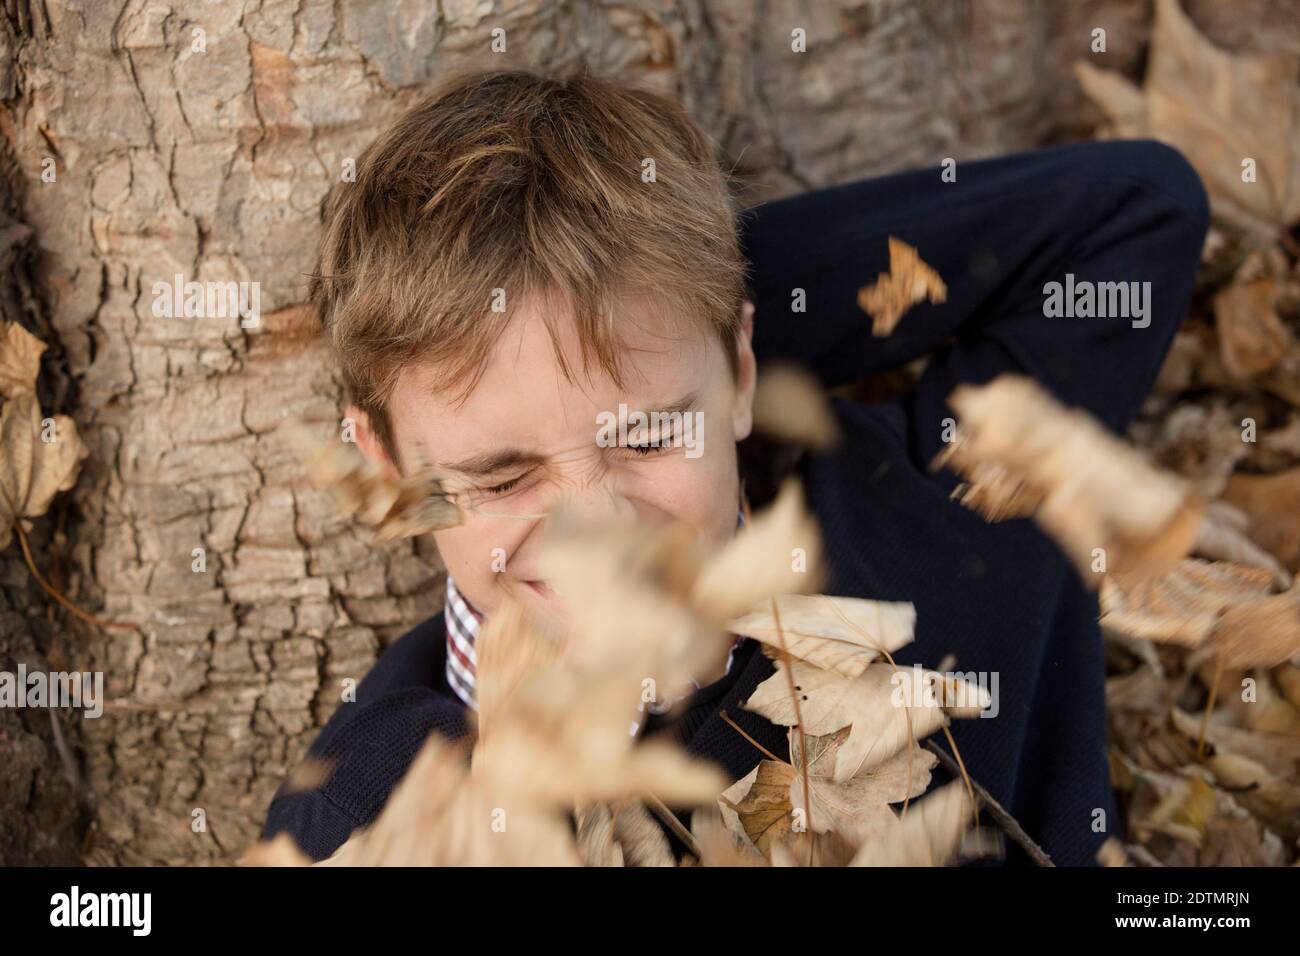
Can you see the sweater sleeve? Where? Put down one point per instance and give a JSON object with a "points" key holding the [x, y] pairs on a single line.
{"points": [[1108, 212], [369, 743], [369, 752]]}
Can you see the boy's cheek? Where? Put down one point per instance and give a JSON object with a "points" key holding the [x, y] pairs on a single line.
{"points": [[470, 554], [702, 492]]}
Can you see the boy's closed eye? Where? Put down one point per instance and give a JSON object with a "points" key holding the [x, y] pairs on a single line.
{"points": [[639, 450]]}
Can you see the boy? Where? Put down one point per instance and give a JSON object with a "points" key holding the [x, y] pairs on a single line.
{"points": [[520, 254]]}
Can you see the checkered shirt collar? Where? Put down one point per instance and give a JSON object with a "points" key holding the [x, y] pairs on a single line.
{"points": [[463, 624]]}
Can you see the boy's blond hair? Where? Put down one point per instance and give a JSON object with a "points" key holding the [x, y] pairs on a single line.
{"points": [[534, 185]]}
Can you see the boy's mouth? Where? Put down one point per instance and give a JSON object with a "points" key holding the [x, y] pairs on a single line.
{"points": [[540, 588]]}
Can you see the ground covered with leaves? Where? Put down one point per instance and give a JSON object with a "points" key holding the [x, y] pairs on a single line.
{"points": [[1204, 692]]}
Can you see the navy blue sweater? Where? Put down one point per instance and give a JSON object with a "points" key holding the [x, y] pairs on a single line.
{"points": [[1001, 597]]}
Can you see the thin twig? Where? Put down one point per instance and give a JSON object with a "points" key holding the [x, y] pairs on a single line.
{"points": [[738, 729], [965, 776], [1000, 816], [798, 722], [1209, 707], [661, 810], [63, 601]]}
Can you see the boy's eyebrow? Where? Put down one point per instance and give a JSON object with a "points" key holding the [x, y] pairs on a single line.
{"points": [[494, 461], [490, 462]]}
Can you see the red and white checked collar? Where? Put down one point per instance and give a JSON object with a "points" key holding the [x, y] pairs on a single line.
{"points": [[463, 623]]}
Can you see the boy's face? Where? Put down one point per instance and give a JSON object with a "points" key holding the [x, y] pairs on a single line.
{"points": [[523, 404]]}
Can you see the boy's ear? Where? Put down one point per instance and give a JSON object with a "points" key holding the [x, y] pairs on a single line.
{"points": [[742, 413], [368, 442]]}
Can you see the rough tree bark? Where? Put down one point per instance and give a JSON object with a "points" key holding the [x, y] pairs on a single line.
{"points": [[198, 139]]}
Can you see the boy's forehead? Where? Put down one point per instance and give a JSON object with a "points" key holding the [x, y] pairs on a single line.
{"points": [[523, 394]]}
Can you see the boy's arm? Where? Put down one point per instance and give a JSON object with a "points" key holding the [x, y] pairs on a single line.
{"points": [[369, 743], [367, 750], [1109, 212]]}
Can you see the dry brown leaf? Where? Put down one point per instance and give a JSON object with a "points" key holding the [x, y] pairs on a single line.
{"points": [[1268, 712], [928, 834], [767, 809], [834, 633], [852, 809], [311, 774], [809, 848], [1152, 742], [1143, 689], [1183, 606], [721, 838], [1200, 442], [1236, 842], [1252, 337], [1270, 799], [1224, 535], [1280, 755], [595, 836], [1272, 502], [280, 850], [1112, 853], [1288, 682], [1219, 109], [565, 739], [791, 404], [442, 815], [640, 837], [394, 507], [557, 725], [867, 703], [996, 494], [761, 803], [1281, 446], [20, 360], [33, 471], [1184, 812], [908, 281], [760, 562], [672, 587], [628, 584], [1098, 495], [1263, 632], [621, 834], [508, 648], [1182, 362]]}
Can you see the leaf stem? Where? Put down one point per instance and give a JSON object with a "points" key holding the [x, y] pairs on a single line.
{"points": [[57, 596]]}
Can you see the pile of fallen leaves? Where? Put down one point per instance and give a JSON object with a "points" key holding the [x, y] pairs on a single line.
{"points": [[555, 773], [1204, 696]]}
